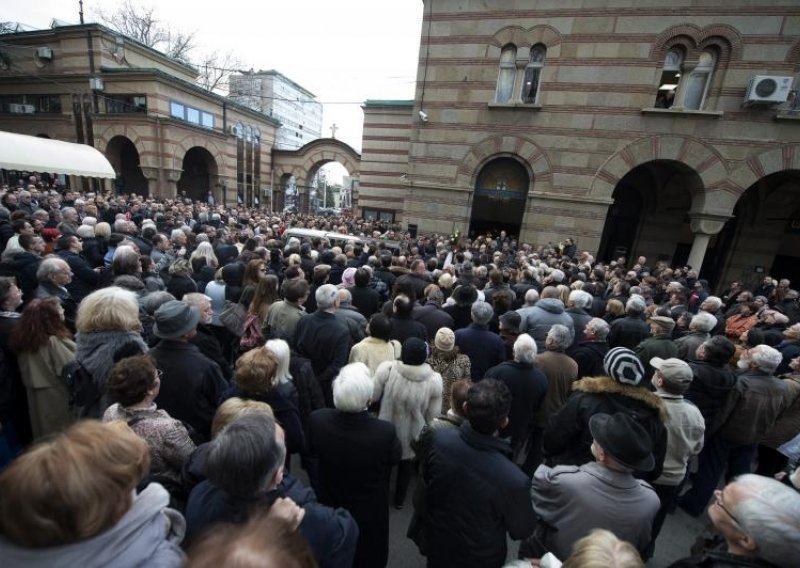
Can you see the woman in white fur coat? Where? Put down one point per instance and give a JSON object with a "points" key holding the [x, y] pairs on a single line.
{"points": [[410, 392]]}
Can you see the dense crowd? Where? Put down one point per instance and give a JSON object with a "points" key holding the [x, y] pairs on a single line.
{"points": [[164, 360]]}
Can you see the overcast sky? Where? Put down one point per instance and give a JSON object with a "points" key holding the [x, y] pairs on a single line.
{"points": [[343, 51]]}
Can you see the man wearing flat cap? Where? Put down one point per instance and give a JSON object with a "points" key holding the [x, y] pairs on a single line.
{"points": [[191, 383], [659, 344], [571, 501]]}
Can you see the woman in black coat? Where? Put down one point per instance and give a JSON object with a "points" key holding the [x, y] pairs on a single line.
{"points": [[355, 453]]}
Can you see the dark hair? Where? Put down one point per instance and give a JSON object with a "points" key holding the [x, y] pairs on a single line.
{"points": [[755, 337], [26, 241], [19, 224], [40, 320], [361, 278], [719, 350], [458, 394], [130, 379], [292, 272], [294, 289], [488, 405], [244, 455], [252, 272], [266, 293], [5, 287], [403, 305], [380, 327]]}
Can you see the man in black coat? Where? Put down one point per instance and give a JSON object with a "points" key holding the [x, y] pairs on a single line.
{"points": [[631, 330], [191, 383], [355, 454], [431, 315], [589, 353], [474, 494], [206, 339], [324, 339], [85, 279], [528, 386], [403, 326]]}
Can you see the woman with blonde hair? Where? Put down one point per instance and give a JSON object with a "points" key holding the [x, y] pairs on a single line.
{"points": [[43, 345], [615, 309], [108, 324], [602, 549], [72, 501]]}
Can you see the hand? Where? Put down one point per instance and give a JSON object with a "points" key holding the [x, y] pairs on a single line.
{"points": [[288, 511]]}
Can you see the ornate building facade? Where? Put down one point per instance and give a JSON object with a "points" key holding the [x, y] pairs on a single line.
{"points": [[667, 130]]}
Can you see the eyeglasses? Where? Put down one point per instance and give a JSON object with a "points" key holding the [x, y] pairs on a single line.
{"points": [[719, 503]]}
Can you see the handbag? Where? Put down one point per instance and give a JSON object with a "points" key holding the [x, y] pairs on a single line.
{"points": [[252, 336], [233, 317]]}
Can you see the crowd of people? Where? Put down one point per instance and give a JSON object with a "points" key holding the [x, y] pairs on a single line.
{"points": [[167, 364]]}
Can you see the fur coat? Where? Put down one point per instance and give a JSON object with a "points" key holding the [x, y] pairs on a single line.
{"points": [[410, 395]]}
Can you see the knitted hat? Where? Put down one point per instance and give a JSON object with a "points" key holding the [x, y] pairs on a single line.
{"points": [[415, 351], [622, 365], [348, 277], [445, 339]]}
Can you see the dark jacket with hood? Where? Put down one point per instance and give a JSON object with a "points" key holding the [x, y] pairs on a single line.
{"points": [[589, 356], [567, 440], [546, 313], [709, 388]]}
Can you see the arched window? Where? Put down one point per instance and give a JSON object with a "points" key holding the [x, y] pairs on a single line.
{"points": [[508, 72], [670, 79], [698, 81], [533, 74]]}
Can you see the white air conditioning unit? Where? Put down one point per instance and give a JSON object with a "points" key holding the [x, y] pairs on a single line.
{"points": [[44, 53], [767, 90], [21, 109]]}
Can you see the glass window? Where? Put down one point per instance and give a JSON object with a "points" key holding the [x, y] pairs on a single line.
{"points": [[49, 103], [699, 81], [177, 110], [193, 115], [670, 79], [207, 119], [533, 74], [508, 72], [125, 103]]}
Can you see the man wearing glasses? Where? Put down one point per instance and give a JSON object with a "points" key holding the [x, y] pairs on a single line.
{"points": [[758, 521]]}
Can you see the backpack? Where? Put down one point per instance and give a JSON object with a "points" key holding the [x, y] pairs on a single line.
{"points": [[84, 394], [252, 336]]}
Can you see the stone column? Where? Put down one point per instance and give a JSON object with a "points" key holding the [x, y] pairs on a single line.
{"points": [[704, 226], [151, 175], [172, 177]]}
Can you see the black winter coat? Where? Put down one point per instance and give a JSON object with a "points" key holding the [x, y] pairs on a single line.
{"points": [[628, 332], [433, 317], [355, 454], [475, 495], [528, 386], [85, 279], [589, 356], [709, 388], [567, 439]]}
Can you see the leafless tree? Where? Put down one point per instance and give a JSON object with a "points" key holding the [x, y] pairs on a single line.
{"points": [[215, 69], [141, 23]]}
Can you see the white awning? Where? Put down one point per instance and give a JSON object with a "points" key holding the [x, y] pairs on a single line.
{"points": [[33, 154]]}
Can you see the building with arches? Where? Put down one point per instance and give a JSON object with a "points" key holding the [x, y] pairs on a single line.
{"points": [[633, 128]]}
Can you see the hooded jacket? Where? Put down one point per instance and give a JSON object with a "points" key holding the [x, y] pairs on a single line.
{"points": [[410, 395], [567, 439], [546, 313], [149, 534]]}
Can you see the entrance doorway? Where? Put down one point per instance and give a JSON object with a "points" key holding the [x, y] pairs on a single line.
{"points": [[124, 158], [501, 191], [199, 173]]}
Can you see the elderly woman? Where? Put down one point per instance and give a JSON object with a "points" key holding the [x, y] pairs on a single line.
{"points": [[255, 378], [377, 347], [291, 376], [88, 514], [356, 453], [108, 323], [180, 279], [410, 392], [44, 345], [133, 386], [449, 362]]}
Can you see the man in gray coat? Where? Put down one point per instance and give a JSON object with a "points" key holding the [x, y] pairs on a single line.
{"points": [[570, 501], [542, 316]]}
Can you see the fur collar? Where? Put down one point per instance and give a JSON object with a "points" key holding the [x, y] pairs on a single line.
{"points": [[607, 385], [416, 373]]}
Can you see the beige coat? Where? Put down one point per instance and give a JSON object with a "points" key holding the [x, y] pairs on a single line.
{"points": [[372, 352], [48, 397]]}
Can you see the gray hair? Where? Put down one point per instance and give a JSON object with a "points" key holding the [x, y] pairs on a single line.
{"points": [[769, 512], [283, 354], [352, 388], [766, 358], [580, 299], [525, 349], [326, 296], [599, 327], [559, 338], [244, 457], [49, 266], [703, 321], [636, 305], [120, 225], [531, 296], [85, 231], [482, 312], [155, 300], [174, 234], [715, 300], [345, 297]]}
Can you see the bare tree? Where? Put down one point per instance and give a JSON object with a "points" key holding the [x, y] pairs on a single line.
{"points": [[140, 22], [215, 69]]}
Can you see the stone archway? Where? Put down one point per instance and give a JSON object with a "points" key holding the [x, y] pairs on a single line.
{"points": [[199, 174], [124, 158]]}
